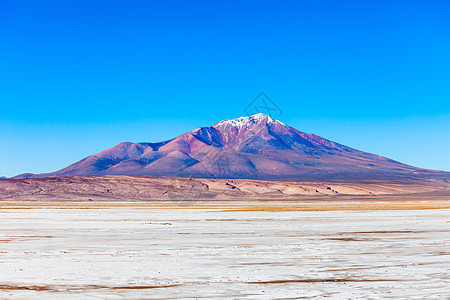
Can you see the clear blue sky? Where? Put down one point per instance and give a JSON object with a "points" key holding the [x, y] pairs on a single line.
{"points": [[77, 77]]}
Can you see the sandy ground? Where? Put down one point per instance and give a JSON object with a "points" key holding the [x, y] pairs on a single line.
{"points": [[223, 253], [129, 189], [263, 205]]}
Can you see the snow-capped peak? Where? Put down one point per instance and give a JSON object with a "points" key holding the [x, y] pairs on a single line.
{"points": [[246, 122]]}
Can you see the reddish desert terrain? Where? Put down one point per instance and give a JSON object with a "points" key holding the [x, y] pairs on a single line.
{"points": [[174, 189]]}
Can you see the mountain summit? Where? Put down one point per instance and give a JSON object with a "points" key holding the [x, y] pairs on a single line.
{"points": [[254, 147]]}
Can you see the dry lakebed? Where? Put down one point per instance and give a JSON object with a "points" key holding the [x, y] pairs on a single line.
{"points": [[223, 251]]}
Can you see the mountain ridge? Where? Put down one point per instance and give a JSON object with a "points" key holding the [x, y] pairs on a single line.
{"points": [[253, 147]]}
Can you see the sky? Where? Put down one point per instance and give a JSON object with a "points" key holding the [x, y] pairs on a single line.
{"points": [[77, 77]]}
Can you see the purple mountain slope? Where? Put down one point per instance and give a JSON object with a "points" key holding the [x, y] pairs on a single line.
{"points": [[255, 147]]}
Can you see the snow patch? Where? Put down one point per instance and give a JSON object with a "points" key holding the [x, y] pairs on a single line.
{"points": [[246, 122]]}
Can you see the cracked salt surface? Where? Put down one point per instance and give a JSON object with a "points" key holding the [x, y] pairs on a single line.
{"points": [[136, 253]]}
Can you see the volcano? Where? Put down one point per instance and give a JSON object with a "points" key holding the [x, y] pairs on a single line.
{"points": [[254, 147]]}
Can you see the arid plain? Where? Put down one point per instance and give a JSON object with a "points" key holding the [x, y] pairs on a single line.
{"points": [[218, 252], [162, 238]]}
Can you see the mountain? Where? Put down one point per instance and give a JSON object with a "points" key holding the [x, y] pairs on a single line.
{"points": [[255, 147]]}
